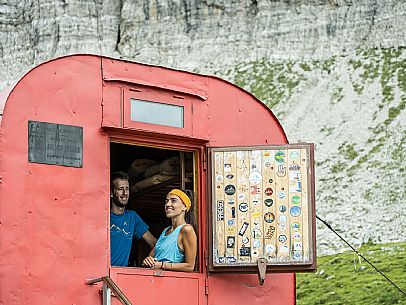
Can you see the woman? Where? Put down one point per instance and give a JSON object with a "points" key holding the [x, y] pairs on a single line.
{"points": [[176, 248]]}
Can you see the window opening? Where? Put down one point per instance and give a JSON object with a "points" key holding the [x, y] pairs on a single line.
{"points": [[157, 113], [153, 173]]}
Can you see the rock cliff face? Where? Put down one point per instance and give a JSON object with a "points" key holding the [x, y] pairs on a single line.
{"points": [[333, 71], [199, 35]]}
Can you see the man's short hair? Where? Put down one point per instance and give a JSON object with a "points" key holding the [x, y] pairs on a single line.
{"points": [[118, 175]]}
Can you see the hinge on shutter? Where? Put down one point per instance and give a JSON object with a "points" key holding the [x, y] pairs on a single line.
{"points": [[204, 161], [206, 286]]}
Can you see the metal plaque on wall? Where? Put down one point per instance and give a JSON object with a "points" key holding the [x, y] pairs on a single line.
{"points": [[56, 144]]}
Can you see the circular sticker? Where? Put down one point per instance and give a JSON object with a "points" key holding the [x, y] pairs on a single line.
{"points": [[219, 178], [230, 222], [283, 208], [295, 226], [282, 238], [229, 189], [283, 218], [230, 176], [296, 199], [295, 211], [282, 226], [268, 202], [268, 191], [280, 156], [281, 195], [297, 235], [269, 217], [243, 207], [256, 233], [256, 244], [269, 248], [255, 178], [245, 240], [270, 180], [241, 180], [294, 154], [230, 201]]}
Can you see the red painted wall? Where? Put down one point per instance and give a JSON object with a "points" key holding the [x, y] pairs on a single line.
{"points": [[54, 219]]}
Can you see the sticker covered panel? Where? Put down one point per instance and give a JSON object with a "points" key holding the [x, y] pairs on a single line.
{"points": [[261, 205]]}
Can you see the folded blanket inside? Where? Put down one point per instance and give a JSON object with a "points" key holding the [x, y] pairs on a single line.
{"points": [[170, 165], [156, 179], [138, 167]]}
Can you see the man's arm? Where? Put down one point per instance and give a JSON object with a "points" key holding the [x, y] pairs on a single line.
{"points": [[149, 261], [149, 239]]}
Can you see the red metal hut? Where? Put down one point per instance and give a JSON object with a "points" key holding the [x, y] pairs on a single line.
{"points": [[69, 122]]}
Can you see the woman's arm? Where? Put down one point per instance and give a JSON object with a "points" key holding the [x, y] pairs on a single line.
{"points": [[189, 242]]}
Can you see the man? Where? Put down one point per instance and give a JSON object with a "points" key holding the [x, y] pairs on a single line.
{"points": [[124, 224]]}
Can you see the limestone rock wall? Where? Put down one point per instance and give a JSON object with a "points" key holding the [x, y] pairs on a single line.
{"points": [[198, 35]]}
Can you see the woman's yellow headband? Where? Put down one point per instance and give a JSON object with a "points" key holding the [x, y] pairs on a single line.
{"points": [[185, 198]]}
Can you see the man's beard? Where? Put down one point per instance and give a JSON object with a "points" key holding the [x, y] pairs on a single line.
{"points": [[120, 203]]}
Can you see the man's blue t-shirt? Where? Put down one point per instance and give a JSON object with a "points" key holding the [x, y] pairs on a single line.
{"points": [[122, 229]]}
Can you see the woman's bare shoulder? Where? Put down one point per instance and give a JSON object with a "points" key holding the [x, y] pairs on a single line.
{"points": [[187, 229]]}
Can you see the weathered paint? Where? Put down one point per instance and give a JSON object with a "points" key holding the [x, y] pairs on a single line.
{"points": [[55, 219]]}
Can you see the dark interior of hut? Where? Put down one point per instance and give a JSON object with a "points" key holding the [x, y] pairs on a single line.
{"points": [[153, 173]]}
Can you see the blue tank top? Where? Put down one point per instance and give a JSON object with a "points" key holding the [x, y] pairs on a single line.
{"points": [[167, 249]]}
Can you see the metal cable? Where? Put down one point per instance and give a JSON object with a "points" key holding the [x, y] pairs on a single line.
{"points": [[359, 254]]}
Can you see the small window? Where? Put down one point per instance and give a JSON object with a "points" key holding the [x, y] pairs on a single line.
{"points": [[157, 113]]}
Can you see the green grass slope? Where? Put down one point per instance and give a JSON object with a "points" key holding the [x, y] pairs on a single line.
{"points": [[346, 279]]}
